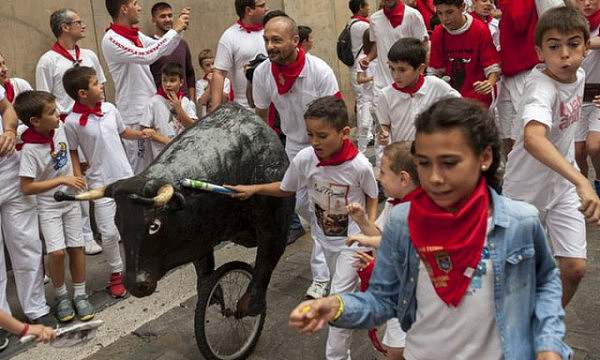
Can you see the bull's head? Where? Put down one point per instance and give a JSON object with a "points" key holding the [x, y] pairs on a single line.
{"points": [[142, 222]]}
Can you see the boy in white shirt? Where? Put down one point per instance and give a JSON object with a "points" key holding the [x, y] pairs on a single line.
{"points": [[410, 94], [97, 127], [206, 59], [364, 94], [541, 168], [45, 167], [169, 111], [335, 174]]}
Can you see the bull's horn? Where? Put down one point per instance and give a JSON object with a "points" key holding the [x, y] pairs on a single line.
{"points": [[164, 194], [88, 195]]}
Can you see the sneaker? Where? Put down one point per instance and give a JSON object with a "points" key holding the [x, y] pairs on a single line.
{"points": [[46, 279], [597, 186], [64, 309], [116, 288], [92, 247], [85, 310], [294, 235], [46, 320], [317, 289], [3, 339]]}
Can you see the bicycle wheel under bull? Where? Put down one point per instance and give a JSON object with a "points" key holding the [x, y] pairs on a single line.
{"points": [[221, 335]]}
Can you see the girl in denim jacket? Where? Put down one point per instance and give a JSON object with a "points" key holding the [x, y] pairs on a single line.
{"points": [[467, 272]]}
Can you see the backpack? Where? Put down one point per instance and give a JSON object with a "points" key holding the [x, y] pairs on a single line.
{"points": [[344, 45]]}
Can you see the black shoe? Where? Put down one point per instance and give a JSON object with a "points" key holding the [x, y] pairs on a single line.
{"points": [[294, 235], [46, 320], [3, 339]]}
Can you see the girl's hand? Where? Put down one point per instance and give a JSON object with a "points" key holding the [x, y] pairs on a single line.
{"points": [[311, 315], [356, 212], [364, 260], [364, 240], [41, 333], [548, 355], [74, 182], [243, 192]]}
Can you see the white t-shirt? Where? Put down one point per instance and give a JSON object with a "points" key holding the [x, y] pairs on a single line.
{"points": [[237, 47], [101, 144], [365, 90], [331, 188], [40, 163], [384, 35], [356, 35], [9, 166], [129, 67], [315, 81], [158, 115], [468, 331], [201, 84], [399, 110], [558, 106], [50, 70], [591, 63]]}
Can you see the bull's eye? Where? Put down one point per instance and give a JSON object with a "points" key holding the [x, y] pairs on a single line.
{"points": [[154, 226]]}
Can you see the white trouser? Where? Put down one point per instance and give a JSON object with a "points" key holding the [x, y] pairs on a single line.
{"points": [[86, 228], [104, 213], [138, 152], [344, 280], [509, 98], [364, 124], [20, 234], [378, 147]]}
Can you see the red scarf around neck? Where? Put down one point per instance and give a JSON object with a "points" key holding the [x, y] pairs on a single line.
{"points": [[411, 90], [286, 75], [162, 93], [361, 19], [396, 15], [449, 244], [250, 28], [85, 111], [130, 33], [408, 197], [31, 136], [486, 19], [10, 91], [347, 153], [58, 48], [594, 20]]}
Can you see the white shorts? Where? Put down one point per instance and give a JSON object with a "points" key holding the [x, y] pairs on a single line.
{"points": [[509, 96], [394, 335], [566, 226], [61, 227], [589, 121]]}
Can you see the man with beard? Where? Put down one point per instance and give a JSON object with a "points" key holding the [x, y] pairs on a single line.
{"points": [[162, 18]]}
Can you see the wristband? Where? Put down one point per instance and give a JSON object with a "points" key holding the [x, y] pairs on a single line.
{"points": [[10, 130], [24, 331], [340, 309]]}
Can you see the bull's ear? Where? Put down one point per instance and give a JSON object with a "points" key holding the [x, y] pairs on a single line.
{"points": [[177, 202], [109, 190]]}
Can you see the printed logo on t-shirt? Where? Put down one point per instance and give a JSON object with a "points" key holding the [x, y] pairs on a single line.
{"points": [[570, 112], [476, 281], [458, 72], [59, 156], [330, 208]]}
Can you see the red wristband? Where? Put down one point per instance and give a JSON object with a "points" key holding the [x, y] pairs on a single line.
{"points": [[24, 331]]}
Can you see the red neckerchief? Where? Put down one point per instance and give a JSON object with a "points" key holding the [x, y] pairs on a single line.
{"points": [[594, 20], [396, 15], [10, 91], [130, 33], [31, 136], [366, 52], [347, 153], [413, 90], [162, 93], [58, 48], [361, 19], [286, 75], [408, 197], [85, 111], [250, 28], [205, 77], [449, 244], [486, 19]]}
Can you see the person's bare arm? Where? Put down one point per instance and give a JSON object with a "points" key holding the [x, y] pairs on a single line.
{"points": [[361, 78], [263, 114], [216, 88], [371, 209], [244, 192], [130, 134], [76, 164], [29, 186]]}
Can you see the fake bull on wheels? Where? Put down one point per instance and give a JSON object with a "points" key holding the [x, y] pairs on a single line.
{"points": [[164, 225]]}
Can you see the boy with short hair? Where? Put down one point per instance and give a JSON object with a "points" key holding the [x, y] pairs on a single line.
{"points": [[365, 95], [540, 168], [169, 111], [463, 49], [97, 127], [45, 167], [206, 59], [410, 94], [482, 10], [336, 174], [306, 38]]}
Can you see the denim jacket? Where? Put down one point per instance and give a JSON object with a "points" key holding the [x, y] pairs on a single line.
{"points": [[527, 288]]}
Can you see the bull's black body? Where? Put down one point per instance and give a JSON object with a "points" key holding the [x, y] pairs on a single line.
{"points": [[230, 146]]}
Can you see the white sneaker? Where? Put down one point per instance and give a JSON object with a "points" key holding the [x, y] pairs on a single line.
{"points": [[92, 247], [46, 280], [317, 289]]}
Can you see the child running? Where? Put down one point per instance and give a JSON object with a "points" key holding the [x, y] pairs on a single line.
{"points": [[336, 174], [467, 271]]}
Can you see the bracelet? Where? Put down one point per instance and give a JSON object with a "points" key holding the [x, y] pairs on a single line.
{"points": [[340, 309], [11, 130], [24, 331]]}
